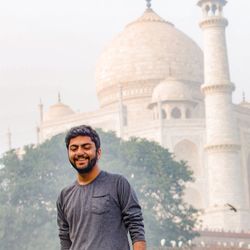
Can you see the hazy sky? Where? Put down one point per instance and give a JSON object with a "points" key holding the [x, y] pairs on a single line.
{"points": [[53, 45]]}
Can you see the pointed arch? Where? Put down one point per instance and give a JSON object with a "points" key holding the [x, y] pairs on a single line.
{"points": [[164, 114], [188, 114], [156, 114], [176, 113], [187, 151]]}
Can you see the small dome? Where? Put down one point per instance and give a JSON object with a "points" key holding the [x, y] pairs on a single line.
{"points": [[245, 104], [171, 90], [57, 111]]}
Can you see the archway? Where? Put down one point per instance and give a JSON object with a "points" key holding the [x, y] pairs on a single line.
{"points": [[176, 113]]}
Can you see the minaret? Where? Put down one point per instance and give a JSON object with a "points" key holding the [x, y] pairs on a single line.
{"points": [[121, 114], [38, 128], [224, 167], [37, 135], [9, 135], [159, 106], [40, 107]]}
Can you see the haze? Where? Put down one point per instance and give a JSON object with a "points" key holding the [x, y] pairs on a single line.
{"points": [[52, 46]]}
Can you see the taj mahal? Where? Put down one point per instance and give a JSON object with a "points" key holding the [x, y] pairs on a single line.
{"points": [[155, 82]]}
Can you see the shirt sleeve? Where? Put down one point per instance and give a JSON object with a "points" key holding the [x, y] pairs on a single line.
{"points": [[62, 223], [131, 210]]}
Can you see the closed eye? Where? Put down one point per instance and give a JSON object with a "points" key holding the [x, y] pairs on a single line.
{"points": [[73, 148]]}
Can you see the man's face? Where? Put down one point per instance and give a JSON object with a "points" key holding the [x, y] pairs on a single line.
{"points": [[82, 154]]}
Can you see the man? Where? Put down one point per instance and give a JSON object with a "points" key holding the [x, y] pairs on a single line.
{"points": [[99, 209]]}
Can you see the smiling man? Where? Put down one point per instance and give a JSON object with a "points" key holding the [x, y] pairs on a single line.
{"points": [[99, 209]]}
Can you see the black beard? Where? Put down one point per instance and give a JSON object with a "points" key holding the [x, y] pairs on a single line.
{"points": [[88, 168]]}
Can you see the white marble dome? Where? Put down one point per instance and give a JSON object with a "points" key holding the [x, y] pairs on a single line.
{"points": [[57, 111], [144, 53], [171, 90]]}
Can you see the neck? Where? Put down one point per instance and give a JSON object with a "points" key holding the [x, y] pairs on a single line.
{"points": [[84, 179]]}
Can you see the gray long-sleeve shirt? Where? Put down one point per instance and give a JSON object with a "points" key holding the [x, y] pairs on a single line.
{"points": [[99, 215]]}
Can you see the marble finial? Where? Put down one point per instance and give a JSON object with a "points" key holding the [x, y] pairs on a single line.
{"points": [[148, 4], [59, 97]]}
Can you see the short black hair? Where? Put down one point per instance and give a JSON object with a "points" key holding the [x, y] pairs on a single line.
{"points": [[83, 130]]}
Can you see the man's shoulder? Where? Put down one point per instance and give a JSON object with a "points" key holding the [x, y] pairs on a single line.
{"points": [[114, 176], [115, 179], [68, 189]]}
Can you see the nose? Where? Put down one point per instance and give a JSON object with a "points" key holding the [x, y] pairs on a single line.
{"points": [[81, 151]]}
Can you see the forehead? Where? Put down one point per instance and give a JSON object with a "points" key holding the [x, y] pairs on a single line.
{"points": [[79, 140]]}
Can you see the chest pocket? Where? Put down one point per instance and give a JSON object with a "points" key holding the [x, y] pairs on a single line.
{"points": [[100, 204]]}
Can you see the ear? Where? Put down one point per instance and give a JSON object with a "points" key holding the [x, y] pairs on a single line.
{"points": [[99, 153]]}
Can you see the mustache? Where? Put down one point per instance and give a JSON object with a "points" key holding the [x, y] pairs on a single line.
{"points": [[82, 156]]}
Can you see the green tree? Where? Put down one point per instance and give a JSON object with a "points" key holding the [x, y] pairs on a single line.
{"points": [[29, 189]]}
